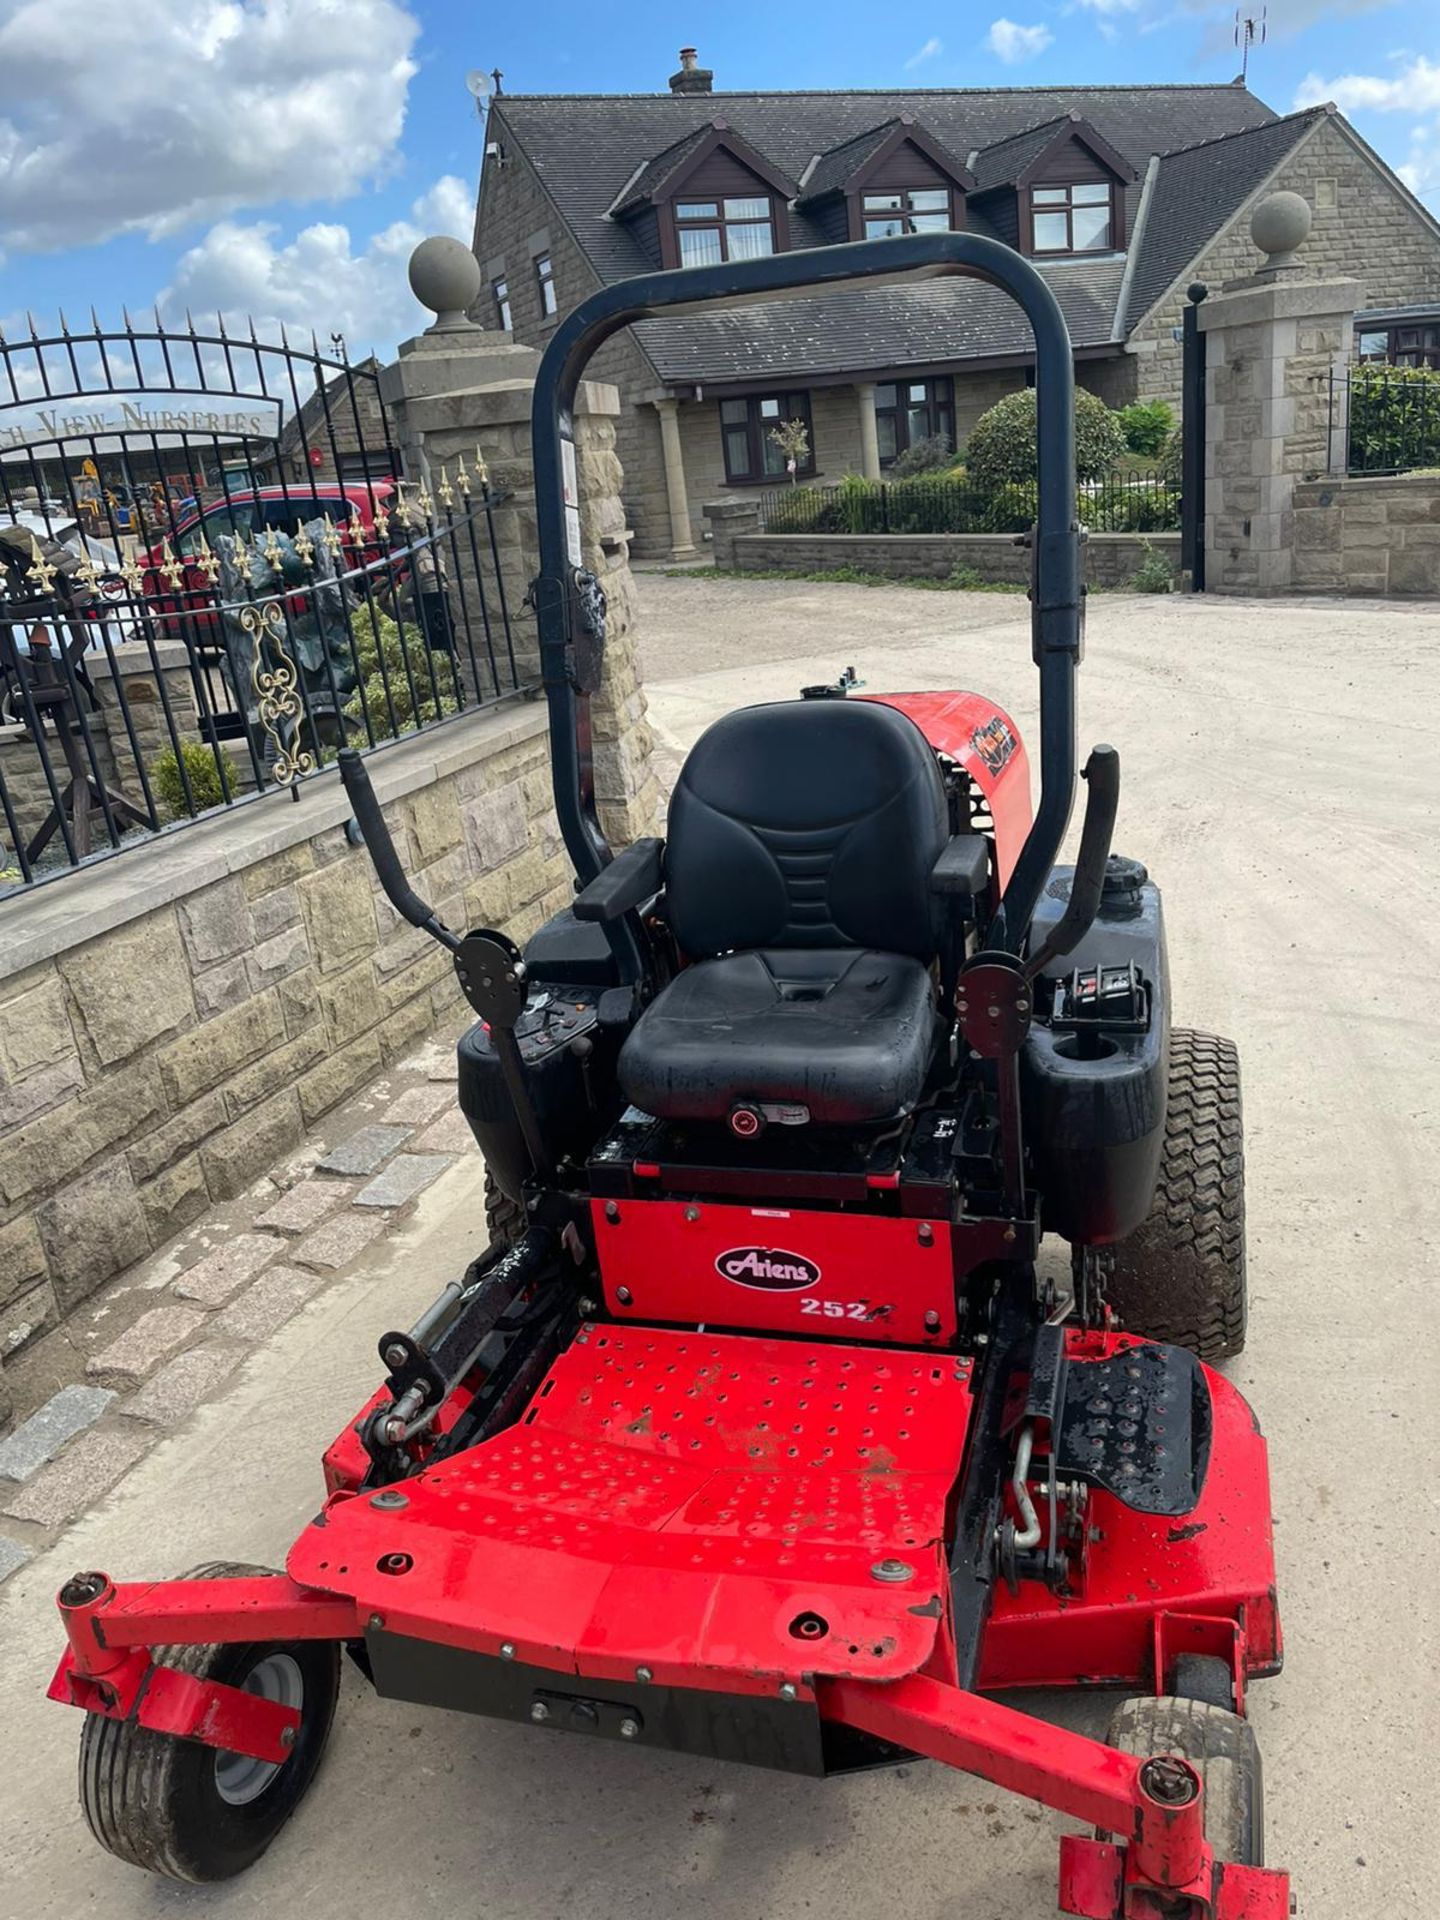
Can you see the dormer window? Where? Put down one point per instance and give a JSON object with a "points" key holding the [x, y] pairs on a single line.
{"points": [[1077, 217], [906, 210], [724, 229]]}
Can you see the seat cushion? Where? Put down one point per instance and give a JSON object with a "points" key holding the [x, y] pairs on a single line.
{"points": [[847, 1034]]}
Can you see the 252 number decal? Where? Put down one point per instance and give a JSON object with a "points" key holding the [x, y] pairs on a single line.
{"points": [[841, 1309]]}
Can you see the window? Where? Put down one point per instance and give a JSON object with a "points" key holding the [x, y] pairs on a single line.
{"points": [[1410, 344], [545, 280], [907, 210], [911, 410], [745, 428], [236, 517], [501, 291], [711, 230], [1071, 219]]}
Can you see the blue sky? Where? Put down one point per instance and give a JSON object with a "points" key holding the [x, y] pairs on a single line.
{"points": [[281, 157]]}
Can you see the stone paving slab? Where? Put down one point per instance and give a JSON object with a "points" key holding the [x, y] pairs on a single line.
{"points": [[85, 1471], [366, 1150], [181, 1384], [215, 1276], [449, 1134], [305, 1205], [417, 1104], [12, 1557], [277, 1296], [141, 1348], [407, 1175], [336, 1242], [66, 1413]]}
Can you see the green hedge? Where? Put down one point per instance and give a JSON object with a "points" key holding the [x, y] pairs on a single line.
{"points": [[942, 503]]}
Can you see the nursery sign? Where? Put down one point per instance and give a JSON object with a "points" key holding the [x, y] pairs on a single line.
{"points": [[146, 415]]}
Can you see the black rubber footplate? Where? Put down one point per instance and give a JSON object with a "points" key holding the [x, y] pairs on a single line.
{"points": [[1139, 1426]]}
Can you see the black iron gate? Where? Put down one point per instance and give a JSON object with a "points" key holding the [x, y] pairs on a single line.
{"points": [[214, 572]]}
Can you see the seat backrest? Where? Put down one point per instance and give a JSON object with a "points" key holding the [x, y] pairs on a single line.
{"points": [[810, 823]]}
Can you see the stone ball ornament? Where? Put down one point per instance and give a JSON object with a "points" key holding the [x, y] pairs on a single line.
{"points": [[445, 276], [1280, 225]]}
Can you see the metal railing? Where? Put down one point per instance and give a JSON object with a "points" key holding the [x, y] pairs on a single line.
{"points": [[1393, 417], [1146, 501], [141, 695]]}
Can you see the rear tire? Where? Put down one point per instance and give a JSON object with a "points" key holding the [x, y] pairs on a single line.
{"points": [[1180, 1277], [191, 1812], [1222, 1749], [504, 1217]]}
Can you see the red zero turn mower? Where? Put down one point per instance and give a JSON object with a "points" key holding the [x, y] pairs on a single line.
{"points": [[754, 1433]]}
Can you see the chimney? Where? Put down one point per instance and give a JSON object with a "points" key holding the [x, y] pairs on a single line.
{"points": [[690, 78]]}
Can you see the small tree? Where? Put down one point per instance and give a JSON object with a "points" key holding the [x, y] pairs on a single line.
{"points": [[933, 454], [792, 437], [1146, 425], [1002, 448], [390, 659]]}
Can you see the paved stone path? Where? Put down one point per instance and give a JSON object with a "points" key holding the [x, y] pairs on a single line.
{"points": [[163, 1337]]}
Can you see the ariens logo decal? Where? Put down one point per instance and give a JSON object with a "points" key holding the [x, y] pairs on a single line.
{"points": [[769, 1268]]}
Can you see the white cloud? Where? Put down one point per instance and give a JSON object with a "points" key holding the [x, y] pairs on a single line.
{"points": [[1012, 43], [319, 279], [928, 52], [150, 118], [1415, 90]]}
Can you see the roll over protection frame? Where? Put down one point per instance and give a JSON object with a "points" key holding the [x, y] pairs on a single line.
{"points": [[1056, 603]]}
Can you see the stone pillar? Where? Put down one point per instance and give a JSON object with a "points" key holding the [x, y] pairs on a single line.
{"points": [[728, 520], [682, 540], [869, 437], [458, 390], [1274, 343]]}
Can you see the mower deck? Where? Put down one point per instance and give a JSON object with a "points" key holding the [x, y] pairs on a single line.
{"points": [[727, 1511]]}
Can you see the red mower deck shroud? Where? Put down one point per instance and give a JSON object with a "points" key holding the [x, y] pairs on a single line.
{"points": [[980, 737]]}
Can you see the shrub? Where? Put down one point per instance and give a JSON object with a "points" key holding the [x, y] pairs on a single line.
{"points": [[931, 455], [1394, 419], [1009, 509], [207, 772], [1129, 509], [1146, 425], [1153, 575], [1001, 448], [386, 651], [1171, 462]]}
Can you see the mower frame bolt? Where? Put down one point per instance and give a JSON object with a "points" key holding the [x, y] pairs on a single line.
{"points": [[587, 1309], [932, 1321], [925, 1234], [612, 1212], [629, 1729], [644, 1676], [395, 1355], [287, 1737], [1168, 1780], [390, 1501], [893, 1572], [692, 1213], [789, 1690], [375, 1622], [507, 1650], [539, 1711], [624, 1296]]}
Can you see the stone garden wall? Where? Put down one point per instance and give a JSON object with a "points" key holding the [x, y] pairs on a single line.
{"points": [[175, 1019], [1368, 536]]}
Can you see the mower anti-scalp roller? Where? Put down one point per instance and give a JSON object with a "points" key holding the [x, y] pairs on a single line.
{"points": [[755, 1432]]}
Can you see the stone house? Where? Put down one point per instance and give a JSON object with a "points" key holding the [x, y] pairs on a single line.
{"points": [[1121, 195]]}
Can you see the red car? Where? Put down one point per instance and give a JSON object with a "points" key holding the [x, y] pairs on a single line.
{"points": [[281, 509]]}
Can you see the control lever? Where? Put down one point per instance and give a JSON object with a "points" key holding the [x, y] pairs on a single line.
{"points": [[1102, 777], [383, 857]]}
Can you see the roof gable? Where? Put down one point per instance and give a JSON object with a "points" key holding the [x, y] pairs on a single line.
{"points": [[1018, 161], [663, 176], [844, 167]]}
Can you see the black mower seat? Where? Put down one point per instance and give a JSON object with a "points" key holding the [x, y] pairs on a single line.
{"points": [[845, 1033], [802, 839]]}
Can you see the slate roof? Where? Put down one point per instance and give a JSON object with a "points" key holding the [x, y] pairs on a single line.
{"points": [[585, 148], [931, 324], [1195, 192], [835, 168], [653, 175]]}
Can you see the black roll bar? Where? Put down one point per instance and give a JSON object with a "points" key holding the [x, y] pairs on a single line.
{"points": [[1056, 612]]}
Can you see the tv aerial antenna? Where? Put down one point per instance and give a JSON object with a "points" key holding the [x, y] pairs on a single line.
{"points": [[1249, 32]]}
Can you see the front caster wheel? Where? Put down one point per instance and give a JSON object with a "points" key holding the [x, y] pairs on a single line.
{"points": [[1222, 1749], [193, 1812]]}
